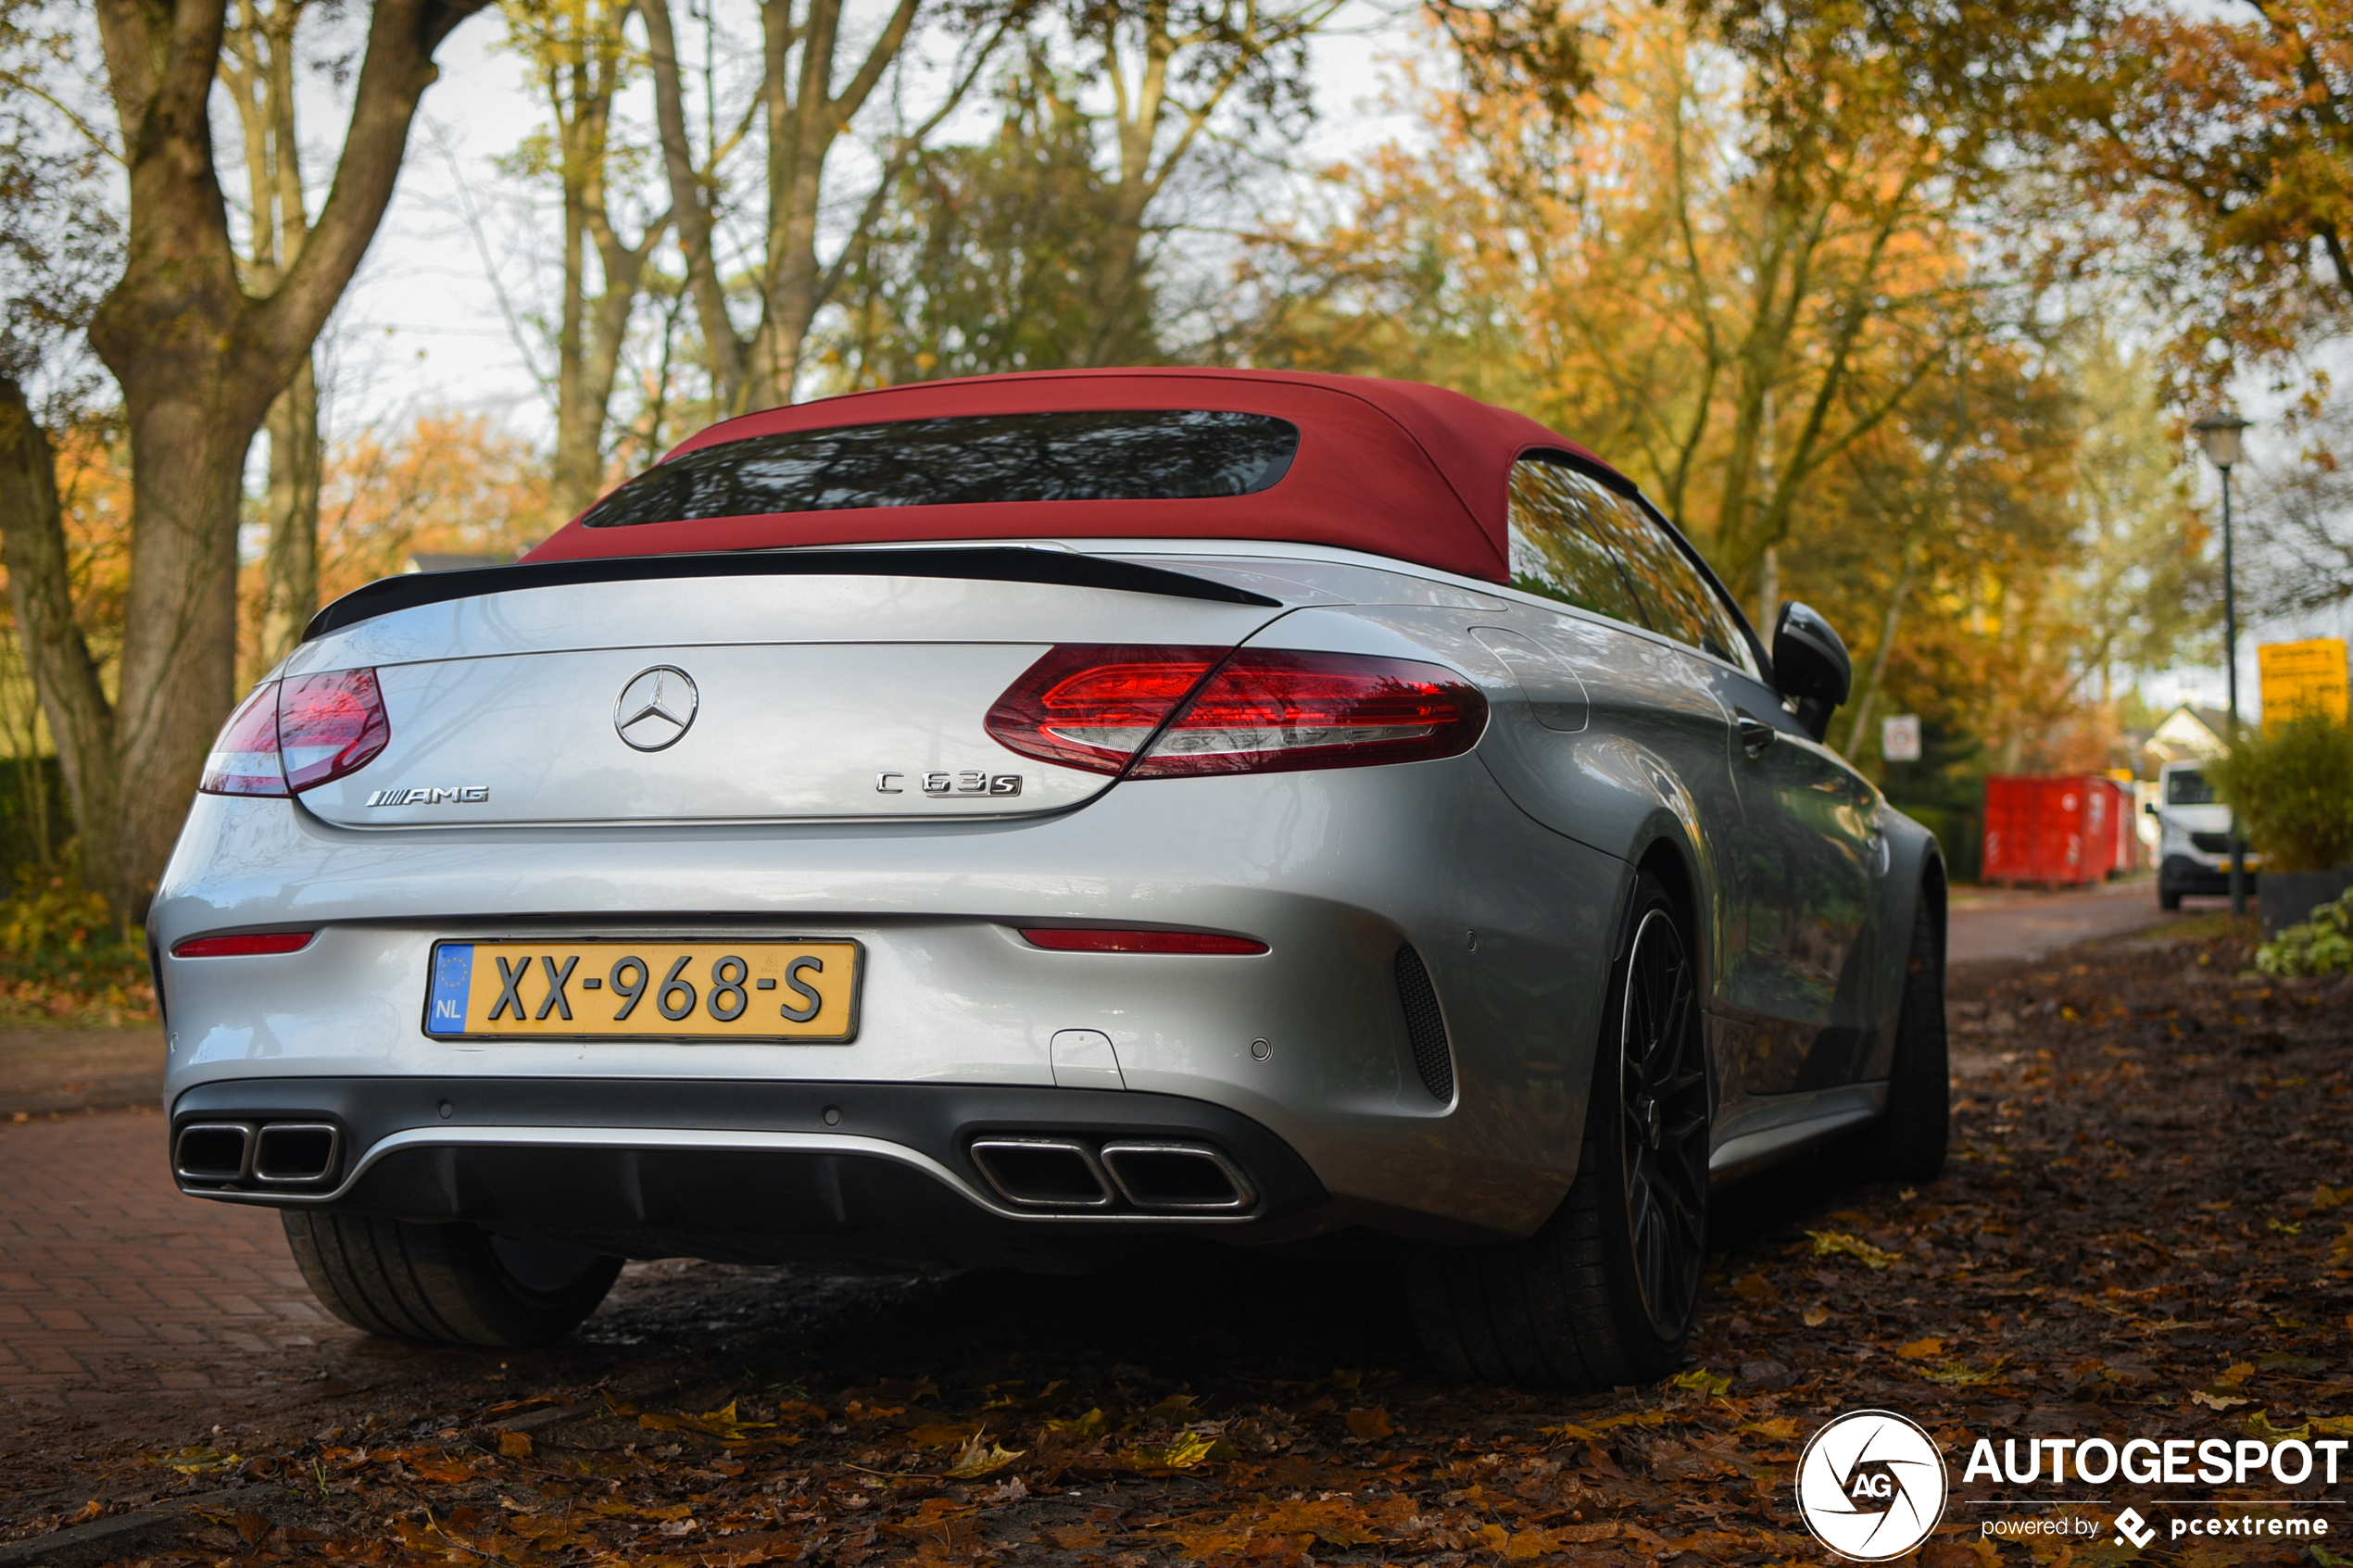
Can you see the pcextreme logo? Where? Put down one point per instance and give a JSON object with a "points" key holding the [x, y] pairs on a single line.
{"points": [[1871, 1486]]}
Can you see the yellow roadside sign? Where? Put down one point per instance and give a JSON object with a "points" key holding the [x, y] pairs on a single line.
{"points": [[2302, 678]]}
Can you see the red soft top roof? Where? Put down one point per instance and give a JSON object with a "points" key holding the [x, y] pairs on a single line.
{"points": [[1394, 467]]}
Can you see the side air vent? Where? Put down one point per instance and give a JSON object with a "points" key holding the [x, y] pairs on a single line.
{"points": [[1425, 1025]]}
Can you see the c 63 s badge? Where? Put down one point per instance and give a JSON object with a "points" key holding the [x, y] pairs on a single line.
{"points": [[467, 795], [968, 781]]}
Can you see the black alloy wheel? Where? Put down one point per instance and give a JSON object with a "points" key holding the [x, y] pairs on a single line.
{"points": [[1663, 1125], [1603, 1294]]}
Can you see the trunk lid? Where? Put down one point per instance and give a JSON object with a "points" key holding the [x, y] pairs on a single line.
{"points": [[730, 698]]}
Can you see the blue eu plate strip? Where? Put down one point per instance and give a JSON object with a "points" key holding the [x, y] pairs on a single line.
{"points": [[453, 979]]}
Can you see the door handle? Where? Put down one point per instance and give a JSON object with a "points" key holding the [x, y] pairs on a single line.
{"points": [[1756, 734]]}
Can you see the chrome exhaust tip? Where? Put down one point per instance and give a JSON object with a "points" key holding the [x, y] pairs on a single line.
{"points": [[212, 1151], [1043, 1173], [289, 1153], [1177, 1178]]}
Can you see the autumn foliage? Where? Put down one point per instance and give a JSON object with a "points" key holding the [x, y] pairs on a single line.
{"points": [[451, 483], [1760, 274]]}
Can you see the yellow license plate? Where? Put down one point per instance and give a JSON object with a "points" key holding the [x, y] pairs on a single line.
{"points": [[801, 992]]}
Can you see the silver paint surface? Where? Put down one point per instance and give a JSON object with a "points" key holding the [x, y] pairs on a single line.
{"points": [[1605, 743]]}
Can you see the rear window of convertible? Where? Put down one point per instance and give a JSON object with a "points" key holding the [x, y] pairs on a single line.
{"points": [[1099, 454]]}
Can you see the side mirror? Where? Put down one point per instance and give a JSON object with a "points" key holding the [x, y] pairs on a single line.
{"points": [[1811, 664], [2150, 807]]}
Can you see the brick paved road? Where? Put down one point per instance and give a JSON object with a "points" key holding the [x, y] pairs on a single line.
{"points": [[114, 1288]]}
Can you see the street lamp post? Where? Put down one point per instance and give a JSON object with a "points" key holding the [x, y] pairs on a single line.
{"points": [[2219, 435]]}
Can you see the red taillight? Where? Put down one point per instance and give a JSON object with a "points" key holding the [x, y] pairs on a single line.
{"points": [[1271, 711], [330, 726], [237, 946], [1076, 939], [290, 736], [1091, 705], [1262, 711], [245, 759]]}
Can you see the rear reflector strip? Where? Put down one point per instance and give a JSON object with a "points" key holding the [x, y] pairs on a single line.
{"points": [[1076, 939], [242, 945]]}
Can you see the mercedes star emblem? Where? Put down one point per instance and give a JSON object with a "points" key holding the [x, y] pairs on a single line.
{"points": [[655, 708]]}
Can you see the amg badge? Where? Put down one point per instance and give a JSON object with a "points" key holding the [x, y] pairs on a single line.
{"points": [[468, 794]]}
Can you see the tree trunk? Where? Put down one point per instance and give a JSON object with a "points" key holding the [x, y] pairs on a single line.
{"points": [[580, 420], [65, 678], [580, 56], [804, 117], [200, 360], [290, 571], [188, 445], [689, 204], [258, 69], [1869, 695]]}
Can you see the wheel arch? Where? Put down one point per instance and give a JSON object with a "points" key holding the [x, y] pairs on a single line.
{"points": [[1933, 889], [1675, 864], [1916, 878]]}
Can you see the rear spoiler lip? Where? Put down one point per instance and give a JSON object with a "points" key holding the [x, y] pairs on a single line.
{"points": [[1001, 563]]}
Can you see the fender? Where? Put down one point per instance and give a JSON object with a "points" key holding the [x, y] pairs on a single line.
{"points": [[1914, 875]]}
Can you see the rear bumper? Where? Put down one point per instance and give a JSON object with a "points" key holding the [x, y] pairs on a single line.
{"points": [[1336, 872], [745, 1171]]}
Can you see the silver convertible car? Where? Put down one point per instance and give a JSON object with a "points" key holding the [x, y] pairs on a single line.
{"points": [[1003, 821]]}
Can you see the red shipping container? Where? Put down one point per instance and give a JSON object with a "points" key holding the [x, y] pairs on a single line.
{"points": [[2054, 832], [2122, 801], [2099, 828]]}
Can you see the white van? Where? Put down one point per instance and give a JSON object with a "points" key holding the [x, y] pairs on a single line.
{"points": [[2194, 836]]}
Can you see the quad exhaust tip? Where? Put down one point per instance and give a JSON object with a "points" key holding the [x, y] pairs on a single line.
{"points": [[212, 1151], [1177, 1178], [288, 1152], [274, 1154], [1043, 1173], [1074, 1177]]}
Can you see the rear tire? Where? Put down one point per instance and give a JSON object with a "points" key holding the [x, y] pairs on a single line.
{"points": [[2166, 899], [1907, 1142], [1604, 1294], [444, 1283]]}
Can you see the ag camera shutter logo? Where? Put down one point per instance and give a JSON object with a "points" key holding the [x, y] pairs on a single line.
{"points": [[1871, 1486]]}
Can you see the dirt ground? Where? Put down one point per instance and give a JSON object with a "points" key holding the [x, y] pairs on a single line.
{"points": [[2141, 1233], [45, 1070]]}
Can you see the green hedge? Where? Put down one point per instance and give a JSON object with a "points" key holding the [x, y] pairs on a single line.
{"points": [[20, 839], [2292, 791]]}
